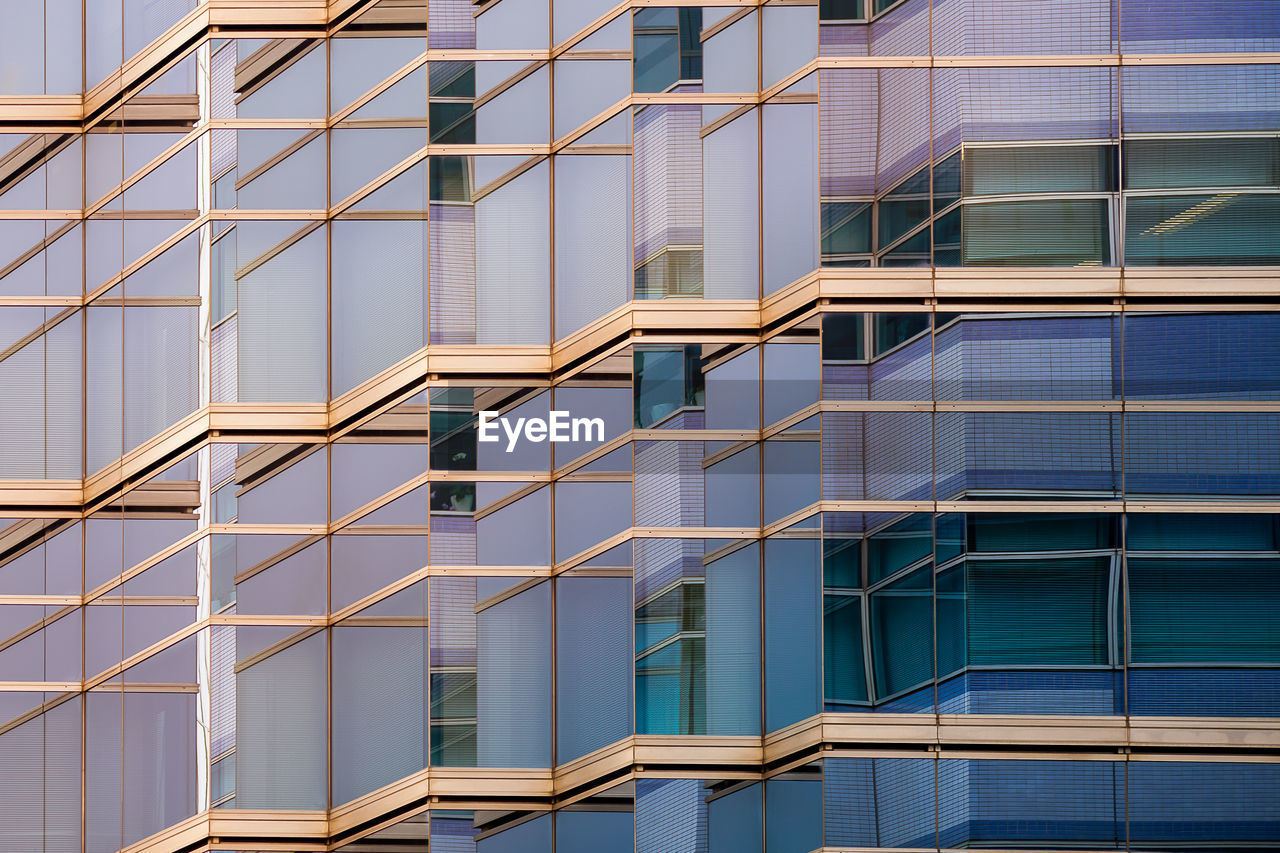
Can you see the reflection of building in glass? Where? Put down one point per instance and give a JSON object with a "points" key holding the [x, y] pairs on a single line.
{"points": [[937, 345]]}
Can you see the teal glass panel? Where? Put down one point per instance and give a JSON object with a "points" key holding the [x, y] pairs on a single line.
{"points": [[671, 689], [917, 184], [892, 329], [453, 711], [453, 80], [1208, 230], [946, 239], [902, 633], [842, 563], [946, 182], [844, 674], [897, 217], [690, 42], [1204, 610], [449, 178], [1059, 232], [899, 545], [949, 536], [1039, 169], [952, 639], [667, 47], [1037, 612], [912, 252], [452, 123], [846, 229], [677, 610], [1188, 532], [1002, 532], [657, 57], [1186, 163]]}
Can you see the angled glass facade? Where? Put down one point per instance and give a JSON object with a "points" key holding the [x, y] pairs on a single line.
{"points": [[920, 487]]}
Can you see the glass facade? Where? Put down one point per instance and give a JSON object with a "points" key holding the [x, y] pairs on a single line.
{"points": [[922, 483]]}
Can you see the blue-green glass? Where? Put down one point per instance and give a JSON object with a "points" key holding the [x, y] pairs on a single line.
{"points": [[659, 384], [657, 60], [899, 545], [1186, 163], [897, 217], [452, 123], [902, 633], [678, 609], [842, 563], [671, 689], [1037, 612], [846, 229], [1039, 169], [912, 252], [1189, 532], [892, 329], [453, 714], [952, 640], [949, 536], [1002, 532], [1209, 230], [917, 184], [844, 675], [1204, 610], [946, 182], [946, 239], [1058, 232]]}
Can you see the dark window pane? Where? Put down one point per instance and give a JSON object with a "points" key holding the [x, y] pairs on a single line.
{"points": [[846, 229], [839, 10], [899, 217], [842, 337], [893, 329]]}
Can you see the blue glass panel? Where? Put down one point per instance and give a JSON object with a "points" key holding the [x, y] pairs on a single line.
{"points": [[791, 635], [735, 821], [793, 815]]}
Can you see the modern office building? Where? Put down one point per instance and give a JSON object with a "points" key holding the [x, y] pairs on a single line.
{"points": [[935, 351]]}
